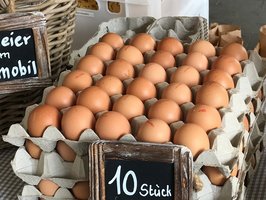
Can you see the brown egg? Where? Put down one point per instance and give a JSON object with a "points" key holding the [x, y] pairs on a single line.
{"points": [[179, 92], [246, 123], [111, 85], [197, 60], [236, 50], [91, 64], [221, 77], [187, 75], [212, 94], [131, 54], [102, 50], [33, 149], [202, 46], [121, 69], [65, 151], [171, 44], [60, 97], [94, 98], [193, 137], [77, 80], [163, 58], [207, 117], [41, 117], [154, 130], [141, 88], [129, 105], [113, 39], [75, 120], [143, 41], [227, 63], [112, 125], [81, 190], [215, 175], [47, 187], [166, 110], [154, 73]]}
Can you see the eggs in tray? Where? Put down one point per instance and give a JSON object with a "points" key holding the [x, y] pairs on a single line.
{"points": [[156, 91]]}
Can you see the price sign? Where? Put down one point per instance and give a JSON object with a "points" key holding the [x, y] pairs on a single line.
{"points": [[24, 56], [135, 171]]}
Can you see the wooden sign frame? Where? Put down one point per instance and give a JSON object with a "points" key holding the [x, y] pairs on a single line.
{"points": [[36, 22], [101, 151]]}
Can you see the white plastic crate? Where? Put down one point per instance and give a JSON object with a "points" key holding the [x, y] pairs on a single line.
{"points": [[87, 20]]}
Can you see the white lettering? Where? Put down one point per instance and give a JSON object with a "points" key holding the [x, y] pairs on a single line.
{"points": [[168, 191], [26, 39], [4, 73], [17, 41], [143, 188], [133, 175], [150, 190], [14, 71], [22, 69], [4, 42], [11, 39], [34, 67], [5, 55]]}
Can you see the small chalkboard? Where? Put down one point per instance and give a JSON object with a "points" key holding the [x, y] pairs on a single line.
{"points": [[24, 55], [136, 171]]}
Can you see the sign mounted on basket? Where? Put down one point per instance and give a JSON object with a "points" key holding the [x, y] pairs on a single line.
{"points": [[24, 55], [133, 170]]}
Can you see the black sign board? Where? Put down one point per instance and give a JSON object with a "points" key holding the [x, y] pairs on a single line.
{"points": [[120, 170], [139, 180], [17, 55], [24, 54]]}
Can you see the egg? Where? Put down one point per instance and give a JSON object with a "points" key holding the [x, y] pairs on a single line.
{"points": [[60, 97], [129, 105], [143, 41], [155, 131], [121, 69], [111, 85], [227, 63], [193, 137], [163, 58], [131, 54], [81, 190], [171, 44], [47, 187], [215, 175], [41, 117], [187, 75], [154, 73], [221, 77], [91, 64], [178, 92], [75, 120], [33, 149], [204, 47], [238, 51], [65, 151], [141, 88], [212, 94], [102, 50], [95, 99], [207, 117], [197, 60], [112, 125], [77, 80], [166, 110], [113, 39]]}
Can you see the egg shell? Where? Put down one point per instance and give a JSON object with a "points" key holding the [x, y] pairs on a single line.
{"points": [[155, 131], [221, 77], [47, 187], [111, 85], [65, 151], [77, 80], [164, 58], [215, 175], [143, 41], [227, 63], [33, 149], [131, 54], [102, 50], [204, 47], [112, 125], [197, 60], [236, 50], [153, 72], [81, 190], [113, 39], [171, 44], [41, 117], [95, 99]]}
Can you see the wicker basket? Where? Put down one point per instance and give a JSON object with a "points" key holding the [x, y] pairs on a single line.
{"points": [[60, 16]]}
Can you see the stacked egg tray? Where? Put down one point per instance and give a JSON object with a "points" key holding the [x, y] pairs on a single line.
{"points": [[232, 145]]}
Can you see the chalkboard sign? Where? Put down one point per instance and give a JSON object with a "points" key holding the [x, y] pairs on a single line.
{"points": [[17, 55], [135, 170], [24, 55]]}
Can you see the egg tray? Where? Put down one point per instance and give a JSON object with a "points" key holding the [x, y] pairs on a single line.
{"points": [[18, 134]]}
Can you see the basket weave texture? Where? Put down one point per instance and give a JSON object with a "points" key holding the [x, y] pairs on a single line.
{"points": [[60, 24]]}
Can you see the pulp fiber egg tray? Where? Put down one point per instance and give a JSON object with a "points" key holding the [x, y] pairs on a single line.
{"points": [[226, 150]]}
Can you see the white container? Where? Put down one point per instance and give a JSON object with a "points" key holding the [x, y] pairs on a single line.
{"points": [[87, 20]]}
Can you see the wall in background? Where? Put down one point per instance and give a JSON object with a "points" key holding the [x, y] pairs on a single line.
{"points": [[247, 14]]}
